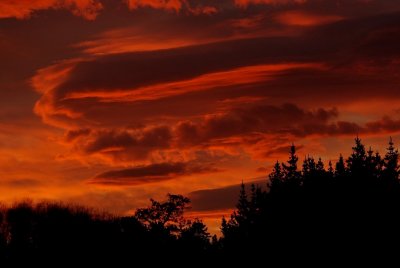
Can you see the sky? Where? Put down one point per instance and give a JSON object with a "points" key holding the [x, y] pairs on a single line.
{"points": [[108, 103]]}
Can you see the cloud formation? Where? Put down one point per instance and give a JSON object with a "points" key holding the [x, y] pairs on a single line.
{"points": [[22, 9], [224, 95], [175, 96], [150, 174]]}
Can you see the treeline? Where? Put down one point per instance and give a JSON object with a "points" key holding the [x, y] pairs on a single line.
{"points": [[336, 210], [48, 232], [345, 208]]}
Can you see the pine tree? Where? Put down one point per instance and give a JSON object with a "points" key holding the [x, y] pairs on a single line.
{"points": [[292, 175], [320, 165], [357, 161], [255, 203], [340, 167], [391, 164], [379, 164], [306, 166], [309, 166], [331, 171], [225, 227], [243, 206], [373, 164], [276, 177]]}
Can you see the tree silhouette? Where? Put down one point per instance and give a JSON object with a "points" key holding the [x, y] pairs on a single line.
{"points": [[290, 169], [390, 173], [195, 235], [332, 213], [166, 216], [276, 178], [340, 170], [357, 161]]}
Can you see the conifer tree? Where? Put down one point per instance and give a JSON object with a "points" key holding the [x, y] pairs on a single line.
{"points": [[276, 177], [292, 175], [306, 167], [320, 165], [340, 167], [243, 203], [331, 170], [309, 166], [356, 163], [379, 164], [391, 163]]}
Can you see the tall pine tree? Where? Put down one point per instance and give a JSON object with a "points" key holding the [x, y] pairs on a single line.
{"points": [[340, 170], [391, 164], [292, 175], [356, 163]]}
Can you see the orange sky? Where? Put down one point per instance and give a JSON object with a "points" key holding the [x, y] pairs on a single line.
{"points": [[111, 102]]}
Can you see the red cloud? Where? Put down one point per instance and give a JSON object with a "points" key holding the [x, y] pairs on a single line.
{"points": [[174, 5], [21, 9], [301, 18]]}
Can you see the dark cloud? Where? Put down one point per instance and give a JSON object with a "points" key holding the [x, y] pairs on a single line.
{"points": [[262, 170], [243, 127], [137, 143], [133, 70], [279, 151], [386, 124], [72, 135], [220, 198], [151, 173], [24, 183], [288, 118], [96, 89]]}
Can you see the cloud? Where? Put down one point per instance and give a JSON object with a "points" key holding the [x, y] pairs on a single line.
{"points": [[279, 151], [120, 144], [220, 198], [72, 135], [299, 18], [150, 174], [23, 9], [235, 77], [288, 118], [142, 143], [23, 183], [385, 124], [267, 67], [172, 5]]}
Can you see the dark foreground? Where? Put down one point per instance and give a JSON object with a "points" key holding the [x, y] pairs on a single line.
{"points": [[325, 214]]}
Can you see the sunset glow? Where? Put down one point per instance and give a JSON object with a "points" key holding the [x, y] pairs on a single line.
{"points": [[108, 103]]}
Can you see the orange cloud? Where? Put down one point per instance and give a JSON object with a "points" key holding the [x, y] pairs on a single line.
{"points": [[173, 5], [22, 9], [299, 18], [136, 39], [235, 77]]}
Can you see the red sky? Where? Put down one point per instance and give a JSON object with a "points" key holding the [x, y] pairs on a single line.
{"points": [[110, 102]]}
